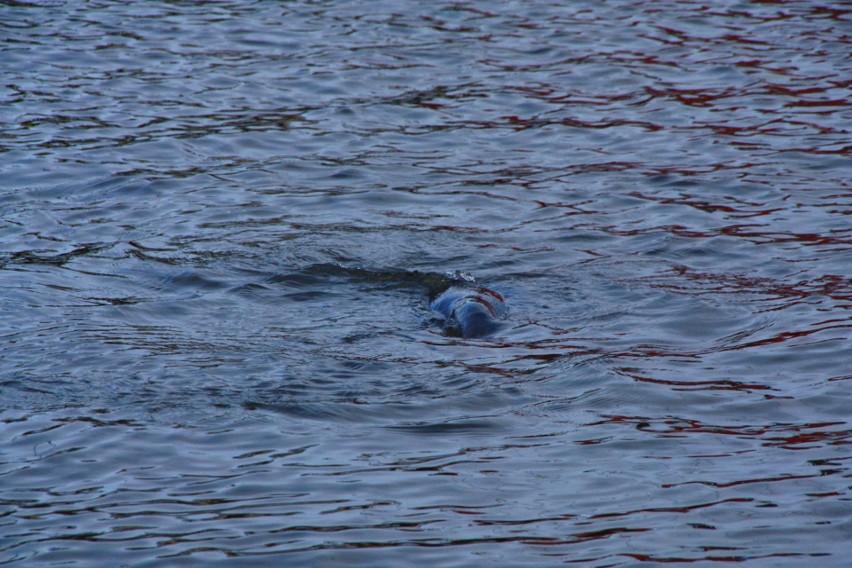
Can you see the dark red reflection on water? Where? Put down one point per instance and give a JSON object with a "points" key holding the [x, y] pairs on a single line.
{"points": [[720, 384], [711, 558], [787, 436], [722, 485], [685, 509]]}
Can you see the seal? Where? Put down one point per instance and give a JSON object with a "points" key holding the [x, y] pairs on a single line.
{"points": [[470, 311]]}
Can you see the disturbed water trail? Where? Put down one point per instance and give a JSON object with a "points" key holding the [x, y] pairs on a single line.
{"points": [[222, 226]]}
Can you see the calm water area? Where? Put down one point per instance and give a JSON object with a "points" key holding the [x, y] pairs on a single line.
{"points": [[221, 225]]}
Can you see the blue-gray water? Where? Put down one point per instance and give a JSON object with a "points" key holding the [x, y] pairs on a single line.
{"points": [[221, 223]]}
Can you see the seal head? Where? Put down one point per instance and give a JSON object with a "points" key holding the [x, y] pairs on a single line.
{"points": [[470, 311]]}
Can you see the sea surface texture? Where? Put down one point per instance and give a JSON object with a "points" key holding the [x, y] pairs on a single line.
{"points": [[222, 224]]}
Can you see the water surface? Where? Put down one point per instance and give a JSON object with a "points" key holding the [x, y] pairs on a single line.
{"points": [[221, 225]]}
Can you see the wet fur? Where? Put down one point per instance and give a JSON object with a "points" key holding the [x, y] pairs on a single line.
{"points": [[470, 311]]}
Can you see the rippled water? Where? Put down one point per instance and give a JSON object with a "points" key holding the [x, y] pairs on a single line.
{"points": [[221, 225]]}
